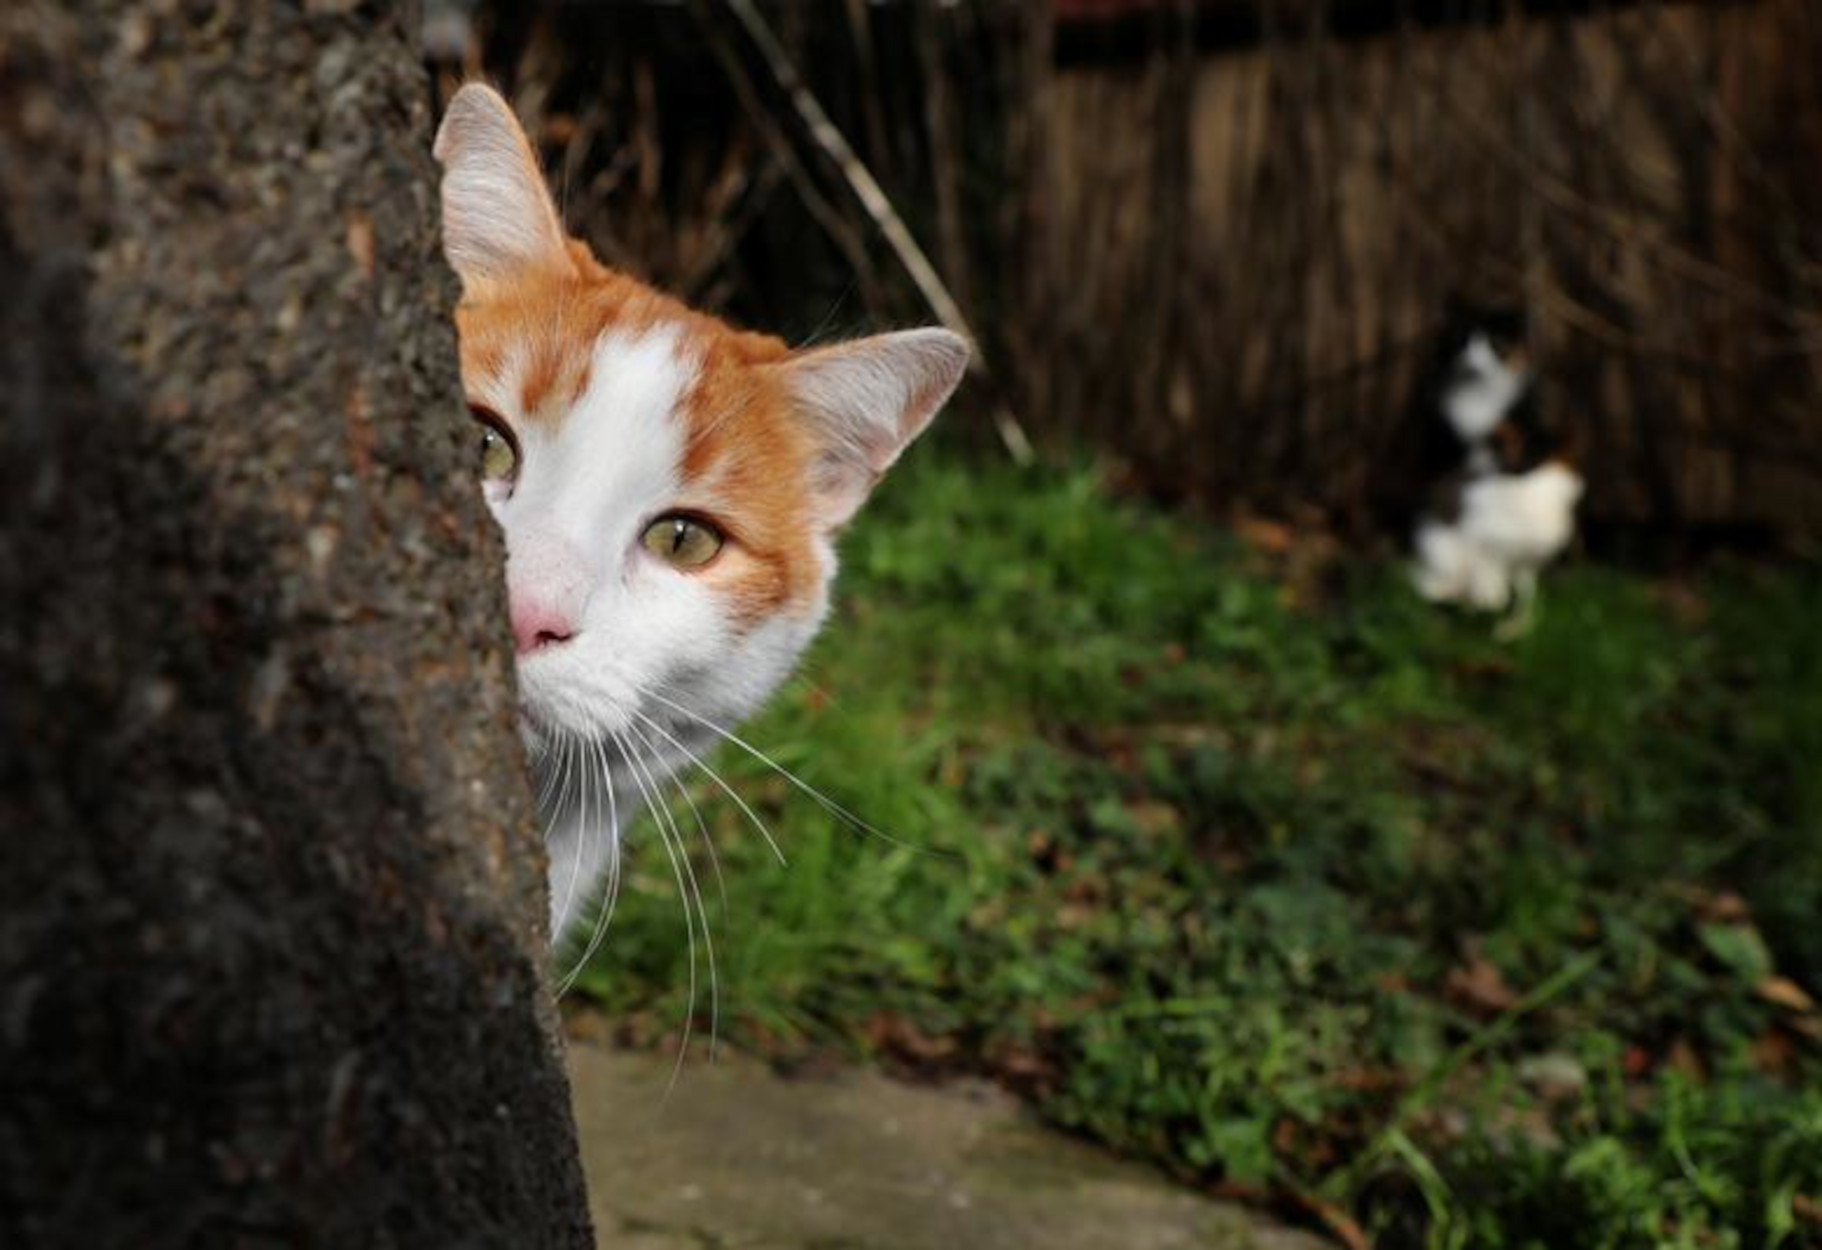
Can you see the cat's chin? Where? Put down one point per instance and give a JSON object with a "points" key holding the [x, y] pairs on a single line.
{"points": [[560, 699], [541, 733], [544, 731], [542, 728]]}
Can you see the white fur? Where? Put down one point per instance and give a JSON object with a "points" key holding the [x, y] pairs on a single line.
{"points": [[1511, 525], [645, 638], [1483, 392]]}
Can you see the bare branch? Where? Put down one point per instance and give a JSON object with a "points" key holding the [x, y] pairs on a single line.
{"points": [[834, 145]]}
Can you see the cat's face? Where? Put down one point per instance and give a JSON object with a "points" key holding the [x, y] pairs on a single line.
{"points": [[1481, 338], [668, 486]]}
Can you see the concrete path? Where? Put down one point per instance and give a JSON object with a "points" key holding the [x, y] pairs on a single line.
{"points": [[739, 1157]]}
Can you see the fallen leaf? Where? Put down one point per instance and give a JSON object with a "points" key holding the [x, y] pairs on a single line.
{"points": [[1338, 1222], [1684, 1059], [1371, 1080], [1786, 993], [1728, 907], [1479, 983], [1022, 1066], [1774, 1054], [894, 1034], [1271, 537], [1712, 906], [1154, 818]]}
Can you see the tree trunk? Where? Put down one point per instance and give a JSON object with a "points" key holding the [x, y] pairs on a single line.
{"points": [[270, 898]]}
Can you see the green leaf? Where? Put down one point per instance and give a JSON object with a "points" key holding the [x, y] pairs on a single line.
{"points": [[1740, 947]]}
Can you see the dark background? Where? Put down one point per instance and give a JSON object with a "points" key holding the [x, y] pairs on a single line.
{"points": [[1218, 240]]}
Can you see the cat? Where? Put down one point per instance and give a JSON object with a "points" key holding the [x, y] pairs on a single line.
{"points": [[1502, 497], [669, 487]]}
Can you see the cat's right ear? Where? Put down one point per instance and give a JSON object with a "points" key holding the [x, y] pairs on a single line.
{"points": [[498, 218], [864, 401]]}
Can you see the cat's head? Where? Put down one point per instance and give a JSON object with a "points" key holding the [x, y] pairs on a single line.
{"points": [[1484, 338], [669, 486]]}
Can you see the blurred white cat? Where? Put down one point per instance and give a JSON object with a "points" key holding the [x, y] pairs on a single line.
{"points": [[1504, 506]]}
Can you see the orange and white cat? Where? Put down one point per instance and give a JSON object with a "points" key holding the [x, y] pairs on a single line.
{"points": [[669, 487]]}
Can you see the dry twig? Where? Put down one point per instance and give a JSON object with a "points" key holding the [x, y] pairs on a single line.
{"points": [[890, 225]]}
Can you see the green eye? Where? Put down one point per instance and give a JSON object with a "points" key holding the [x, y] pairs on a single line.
{"points": [[499, 451], [682, 541]]}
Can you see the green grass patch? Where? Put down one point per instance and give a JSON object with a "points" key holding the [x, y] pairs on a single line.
{"points": [[1279, 876]]}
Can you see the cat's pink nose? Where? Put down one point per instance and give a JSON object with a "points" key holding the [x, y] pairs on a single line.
{"points": [[536, 625]]}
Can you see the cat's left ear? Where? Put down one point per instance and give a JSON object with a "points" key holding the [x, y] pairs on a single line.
{"points": [[498, 218], [865, 401]]}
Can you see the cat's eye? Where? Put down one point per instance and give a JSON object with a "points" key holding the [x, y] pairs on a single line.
{"points": [[683, 541], [499, 449]]}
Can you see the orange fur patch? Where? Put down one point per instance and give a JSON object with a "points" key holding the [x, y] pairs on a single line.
{"points": [[746, 463]]}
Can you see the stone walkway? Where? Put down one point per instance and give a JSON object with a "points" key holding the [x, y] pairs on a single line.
{"points": [[739, 1157]]}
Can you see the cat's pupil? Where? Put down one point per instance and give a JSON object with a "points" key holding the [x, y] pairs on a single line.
{"points": [[679, 532]]}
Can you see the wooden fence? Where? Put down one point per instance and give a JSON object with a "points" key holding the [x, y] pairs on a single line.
{"points": [[1217, 239]]}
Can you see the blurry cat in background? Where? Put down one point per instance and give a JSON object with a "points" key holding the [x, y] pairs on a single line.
{"points": [[1502, 500], [669, 488]]}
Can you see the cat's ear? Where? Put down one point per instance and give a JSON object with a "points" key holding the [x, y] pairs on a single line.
{"points": [[865, 401], [498, 218]]}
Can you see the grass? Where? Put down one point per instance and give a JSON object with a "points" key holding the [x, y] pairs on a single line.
{"points": [[1255, 865]]}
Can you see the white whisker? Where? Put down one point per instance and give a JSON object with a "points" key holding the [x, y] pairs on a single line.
{"points": [[656, 807], [604, 915], [550, 786], [721, 885], [575, 867], [828, 804], [702, 911], [717, 779]]}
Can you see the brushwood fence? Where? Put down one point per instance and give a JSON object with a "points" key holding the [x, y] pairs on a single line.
{"points": [[1217, 239]]}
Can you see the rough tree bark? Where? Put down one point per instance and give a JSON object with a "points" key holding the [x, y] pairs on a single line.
{"points": [[270, 897]]}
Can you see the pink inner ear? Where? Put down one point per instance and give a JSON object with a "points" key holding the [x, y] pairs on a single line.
{"points": [[866, 400]]}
